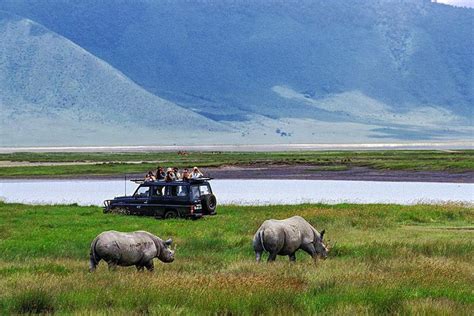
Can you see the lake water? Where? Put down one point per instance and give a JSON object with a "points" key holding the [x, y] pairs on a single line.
{"points": [[246, 192]]}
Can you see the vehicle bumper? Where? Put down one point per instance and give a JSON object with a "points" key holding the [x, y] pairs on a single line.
{"points": [[107, 206], [195, 215]]}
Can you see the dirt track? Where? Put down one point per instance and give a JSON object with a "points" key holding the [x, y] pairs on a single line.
{"points": [[307, 172], [356, 173]]}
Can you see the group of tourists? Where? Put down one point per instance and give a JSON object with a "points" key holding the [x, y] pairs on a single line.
{"points": [[173, 174]]}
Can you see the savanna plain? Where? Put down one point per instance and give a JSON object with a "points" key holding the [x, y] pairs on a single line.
{"points": [[387, 259], [63, 164]]}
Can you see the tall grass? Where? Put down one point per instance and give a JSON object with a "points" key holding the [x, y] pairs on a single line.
{"points": [[389, 259]]}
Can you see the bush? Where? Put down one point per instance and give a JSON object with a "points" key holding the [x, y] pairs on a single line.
{"points": [[34, 302]]}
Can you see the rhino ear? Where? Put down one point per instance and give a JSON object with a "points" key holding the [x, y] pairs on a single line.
{"points": [[168, 242], [322, 234]]}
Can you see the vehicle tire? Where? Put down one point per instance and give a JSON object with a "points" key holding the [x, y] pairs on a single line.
{"points": [[120, 210], [171, 214], [209, 204]]}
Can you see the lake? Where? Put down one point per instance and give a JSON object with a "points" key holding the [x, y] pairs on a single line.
{"points": [[246, 192]]}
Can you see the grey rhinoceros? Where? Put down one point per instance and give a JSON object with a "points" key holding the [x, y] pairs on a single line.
{"points": [[285, 237], [127, 249]]}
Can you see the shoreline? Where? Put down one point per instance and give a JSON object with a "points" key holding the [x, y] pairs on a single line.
{"points": [[294, 172]]}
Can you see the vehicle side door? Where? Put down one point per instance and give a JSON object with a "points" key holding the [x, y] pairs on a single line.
{"points": [[140, 199], [156, 204], [177, 198]]}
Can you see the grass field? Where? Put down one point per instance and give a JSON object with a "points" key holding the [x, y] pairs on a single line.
{"points": [[389, 259], [120, 163]]}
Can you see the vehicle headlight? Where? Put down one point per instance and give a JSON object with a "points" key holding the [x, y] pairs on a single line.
{"points": [[198, 207]]}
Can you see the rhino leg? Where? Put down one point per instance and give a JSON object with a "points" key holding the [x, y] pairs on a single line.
{"points": [[139, 267], [92, 264], [258, 245], [112, 265], [150, 266], [309, 249], [272, 257], [292, 257]]}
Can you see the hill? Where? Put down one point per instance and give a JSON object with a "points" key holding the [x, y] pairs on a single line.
{"points": [[54, 92], [300, 71]]}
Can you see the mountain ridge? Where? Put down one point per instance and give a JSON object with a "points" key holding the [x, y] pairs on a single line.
{"points": [[228, 60]]}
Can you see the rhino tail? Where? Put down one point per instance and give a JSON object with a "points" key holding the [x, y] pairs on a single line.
{"points": [[93, 258], [262, 240]]}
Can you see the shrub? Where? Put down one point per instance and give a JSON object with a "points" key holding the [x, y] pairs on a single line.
{"points": [[34, 302]]}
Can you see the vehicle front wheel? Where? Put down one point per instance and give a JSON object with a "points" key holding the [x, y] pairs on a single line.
{"points": [[171, 214]]}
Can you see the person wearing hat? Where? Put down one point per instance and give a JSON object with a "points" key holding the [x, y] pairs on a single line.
{"points": [[170, 175], [196, 173]]}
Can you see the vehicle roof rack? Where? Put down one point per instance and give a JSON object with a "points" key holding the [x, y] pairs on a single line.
{"points": [[201, 179], [141, 181]]}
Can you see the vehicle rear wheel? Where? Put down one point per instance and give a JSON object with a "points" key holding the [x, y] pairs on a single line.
{"points": [[209, 204], [171, 214]]}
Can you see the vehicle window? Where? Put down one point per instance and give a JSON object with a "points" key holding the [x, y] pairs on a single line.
{"points": [[182, 190], [170, 190], [142, 192], [176, 190], [195, 192], [204, 189], [157, 191]]}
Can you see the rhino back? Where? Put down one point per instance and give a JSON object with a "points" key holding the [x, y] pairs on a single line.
{"points": [[306, 230]]}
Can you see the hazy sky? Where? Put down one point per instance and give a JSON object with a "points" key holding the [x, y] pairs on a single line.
{"points": [[460, 3]]}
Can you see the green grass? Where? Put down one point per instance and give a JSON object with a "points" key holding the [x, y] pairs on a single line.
{"points": [[389, 259], [120, 163]]}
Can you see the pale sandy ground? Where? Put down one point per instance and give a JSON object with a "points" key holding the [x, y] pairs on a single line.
{"points": [[264, 147]]}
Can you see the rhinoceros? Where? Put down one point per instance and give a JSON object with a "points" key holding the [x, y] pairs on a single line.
{"points": [[285, 237], [127, 249]]}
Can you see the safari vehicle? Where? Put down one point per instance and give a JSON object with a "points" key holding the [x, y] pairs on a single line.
{"points": [[161, 199]]}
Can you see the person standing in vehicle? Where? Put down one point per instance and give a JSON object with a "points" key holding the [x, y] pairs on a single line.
{"points": [[177, 175], [170, 175], [160, 173], [149, 176], [196, 174], [186, 175]]}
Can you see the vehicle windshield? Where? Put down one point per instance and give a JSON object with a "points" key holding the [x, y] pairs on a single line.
{"points": [[142, 191]]}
